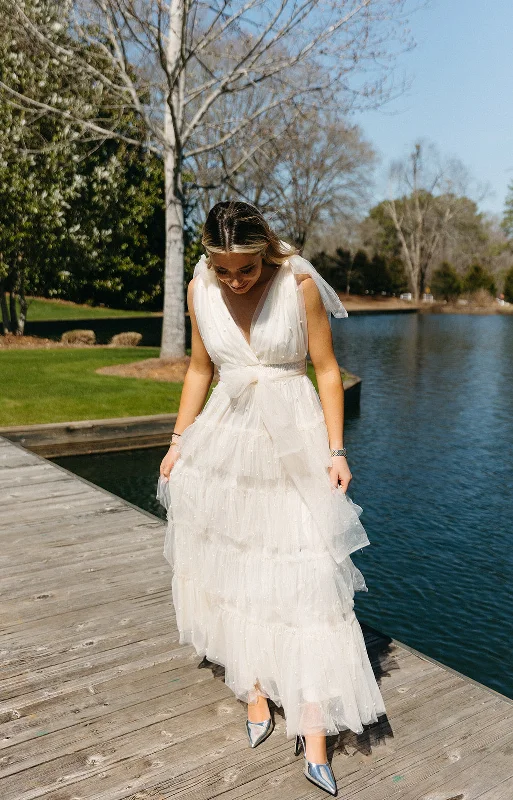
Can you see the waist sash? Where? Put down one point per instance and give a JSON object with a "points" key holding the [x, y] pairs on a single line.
{"points": [[274, 411]]}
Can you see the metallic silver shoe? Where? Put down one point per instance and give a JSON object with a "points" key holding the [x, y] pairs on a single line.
{"points": [[320, 774], [258, 731]]}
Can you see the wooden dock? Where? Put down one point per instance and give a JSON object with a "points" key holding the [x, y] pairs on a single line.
{"points": [[100, 702]]}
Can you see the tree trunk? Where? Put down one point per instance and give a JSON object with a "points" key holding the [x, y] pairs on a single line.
{"points": [[173, 321], [23, 303], [5, 310], [12, 310]]}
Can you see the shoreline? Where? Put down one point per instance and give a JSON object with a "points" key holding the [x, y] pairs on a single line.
{"points": [[371, 305], [354, 305]]}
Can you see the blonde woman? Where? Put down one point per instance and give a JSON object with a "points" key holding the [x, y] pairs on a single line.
{"points": [[260, 527]]}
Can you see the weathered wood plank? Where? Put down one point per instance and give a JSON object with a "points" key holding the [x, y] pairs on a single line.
{"points": [[84, 701], [114, 539], [101, 702]]}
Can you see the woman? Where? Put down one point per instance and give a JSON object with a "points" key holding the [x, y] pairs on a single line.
{"points": [[260, 527]]}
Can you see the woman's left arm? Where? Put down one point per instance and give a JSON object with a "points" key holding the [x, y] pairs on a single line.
{"points": [[329, 379]]}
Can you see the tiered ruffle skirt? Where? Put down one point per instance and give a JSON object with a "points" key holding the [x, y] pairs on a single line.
{"points": [[254, 586]]}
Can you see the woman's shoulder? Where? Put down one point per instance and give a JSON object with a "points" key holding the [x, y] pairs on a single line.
{"points": [[310, 291], [301, 277], [307, 284]]}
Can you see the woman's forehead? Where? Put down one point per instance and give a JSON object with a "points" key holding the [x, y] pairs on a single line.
{"points": [[233, 260]]}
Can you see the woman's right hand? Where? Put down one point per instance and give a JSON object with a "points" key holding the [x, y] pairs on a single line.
{"points": [[169, 460]]}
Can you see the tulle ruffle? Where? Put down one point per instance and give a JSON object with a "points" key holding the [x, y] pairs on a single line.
{"points": [[255, 586], [320, 673]]}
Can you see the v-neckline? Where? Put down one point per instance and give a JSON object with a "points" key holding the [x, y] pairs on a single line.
{"points": [[258, 309]]}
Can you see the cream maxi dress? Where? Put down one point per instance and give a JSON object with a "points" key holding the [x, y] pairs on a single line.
{"points": [[258, 539]]}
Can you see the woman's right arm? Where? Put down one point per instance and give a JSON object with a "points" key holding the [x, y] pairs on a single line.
{"points": [[195, 386]]}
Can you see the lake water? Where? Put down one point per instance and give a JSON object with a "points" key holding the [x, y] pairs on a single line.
{"points": [[430, 451]]}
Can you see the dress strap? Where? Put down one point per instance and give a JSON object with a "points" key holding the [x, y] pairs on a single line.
{"points": [[201, 267], [330, 298]]}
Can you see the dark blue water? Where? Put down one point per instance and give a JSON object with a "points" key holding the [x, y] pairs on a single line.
{"points": [[431, 455]]}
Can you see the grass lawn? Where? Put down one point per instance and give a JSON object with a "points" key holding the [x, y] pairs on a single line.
{"points": [[61, 385], [40, 308]]}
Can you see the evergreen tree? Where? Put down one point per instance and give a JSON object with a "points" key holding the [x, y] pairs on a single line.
{"points": [[360, 273], [324, 264], [335, 269], [378, 276], [508, 286], [476, 278], [446, 282]]}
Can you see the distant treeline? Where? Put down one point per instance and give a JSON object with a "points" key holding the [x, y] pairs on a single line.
{"points": [[361, 274]]}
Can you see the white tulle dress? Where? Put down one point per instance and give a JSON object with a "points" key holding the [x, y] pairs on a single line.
{"points": [[258, 539]]}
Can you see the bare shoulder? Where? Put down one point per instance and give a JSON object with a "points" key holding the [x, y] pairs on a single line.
{"points": [[301, 277], [310, 291]]}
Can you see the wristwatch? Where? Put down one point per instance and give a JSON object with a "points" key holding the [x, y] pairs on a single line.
{"points": [[342, 452]]}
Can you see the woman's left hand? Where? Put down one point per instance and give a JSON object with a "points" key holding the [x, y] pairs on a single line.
{"points": [[339, 473]]}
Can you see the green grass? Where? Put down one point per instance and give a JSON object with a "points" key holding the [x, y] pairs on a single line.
{"points": [[55, 385], [41, 309], [61, 385]]}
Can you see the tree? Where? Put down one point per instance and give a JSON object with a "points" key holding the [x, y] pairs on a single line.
{"points": [[469, 236], [114, 252], [446, 282], [171, 62], [476, 278], [508, 286], [38, 176], [356, 274], [359, 272], [378, 278], [335, 269], [507, 220], [424, 199], [81, 220], [319, 172]]}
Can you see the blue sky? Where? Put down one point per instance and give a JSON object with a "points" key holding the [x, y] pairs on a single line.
{"points": [[461, 93]]}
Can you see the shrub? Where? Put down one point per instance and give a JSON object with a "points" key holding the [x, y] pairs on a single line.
{"points": [[480, 298], [78, 336], [126, 339]]}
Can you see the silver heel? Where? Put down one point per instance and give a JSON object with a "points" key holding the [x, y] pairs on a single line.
{"points": [[259, 731], [320, 774]]}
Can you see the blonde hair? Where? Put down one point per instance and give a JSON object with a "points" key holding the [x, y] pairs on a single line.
{"points": [[236, 227]]}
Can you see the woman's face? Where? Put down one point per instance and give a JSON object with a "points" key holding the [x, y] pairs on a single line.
{"points": [[239, 271]]}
